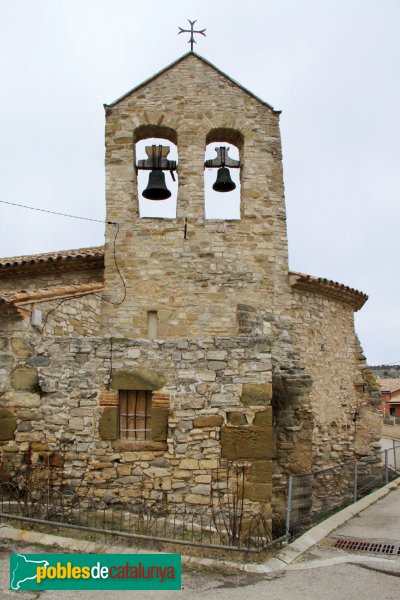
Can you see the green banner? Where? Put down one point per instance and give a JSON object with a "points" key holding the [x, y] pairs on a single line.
{"points": [[95, 571]]}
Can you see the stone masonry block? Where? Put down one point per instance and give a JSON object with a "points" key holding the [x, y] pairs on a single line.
{"points": [[137, 379], [256, 393], [21, 348], [25, 378], [197, 499], [208, 421], [108, 425], [258, 492], [264, 418], [247, 442], [159, 423], [25, 400], [236, 418], [260, 471], [8, 424], [6, 361]]}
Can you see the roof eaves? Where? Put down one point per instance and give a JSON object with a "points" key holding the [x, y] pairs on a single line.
{"points": [[328, 287], [57, 256], [171, 65], [20, 298]]}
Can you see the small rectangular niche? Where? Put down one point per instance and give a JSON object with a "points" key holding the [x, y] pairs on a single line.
{"points": [[152, 324]]}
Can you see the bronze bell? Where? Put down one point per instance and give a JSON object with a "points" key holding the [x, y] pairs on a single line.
{"points": [[156, 188], [224, 183]]}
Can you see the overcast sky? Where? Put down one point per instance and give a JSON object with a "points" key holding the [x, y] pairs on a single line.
{"points": [[332, 67]]}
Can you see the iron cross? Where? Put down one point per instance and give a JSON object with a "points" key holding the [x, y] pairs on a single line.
{"points": [[191, 31]]}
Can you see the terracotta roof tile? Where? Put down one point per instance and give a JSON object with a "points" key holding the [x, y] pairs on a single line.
{"points": [[389, 384], [58, 256], [299, 280], [21, 297], [327, 287]]}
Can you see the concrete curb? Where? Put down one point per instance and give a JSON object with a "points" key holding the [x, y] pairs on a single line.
{"points": [[85, 547], [313, 536], [271, 567]]}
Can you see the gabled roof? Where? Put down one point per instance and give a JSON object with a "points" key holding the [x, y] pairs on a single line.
{"points": [[184, 57]]}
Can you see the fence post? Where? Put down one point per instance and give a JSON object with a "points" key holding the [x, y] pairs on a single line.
{"points": [[394, 455], [355, 482], [289, 504], [386, 466]]}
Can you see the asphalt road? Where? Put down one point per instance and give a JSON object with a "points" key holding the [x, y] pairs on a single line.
{"points": [[307, 580], [324, 573]]}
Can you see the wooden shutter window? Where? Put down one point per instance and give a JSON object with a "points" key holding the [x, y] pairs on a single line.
{"points": [[134, 415]]}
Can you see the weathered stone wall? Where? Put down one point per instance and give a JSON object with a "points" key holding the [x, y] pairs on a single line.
{"points": [[10, 321], [192, 271], [217, 392], [343, 403], [72, 316], [66, 316], [38, 276]]}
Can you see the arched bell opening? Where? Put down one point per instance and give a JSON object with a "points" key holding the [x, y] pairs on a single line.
{"points": [[222, 177], [156, 159]]}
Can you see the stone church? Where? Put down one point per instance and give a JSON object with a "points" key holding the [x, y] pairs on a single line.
{"points": [[184, 343]]}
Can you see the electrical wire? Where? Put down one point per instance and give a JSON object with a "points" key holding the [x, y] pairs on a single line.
{"points": [[94, 294], [60, 214], [118, 271], [55, 308], [115, 261], [53, 212], [111, 363]]}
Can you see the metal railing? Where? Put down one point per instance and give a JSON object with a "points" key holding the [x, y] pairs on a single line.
{"points": [[391, 421], [41, 496], [312, 497], [140, 520]]}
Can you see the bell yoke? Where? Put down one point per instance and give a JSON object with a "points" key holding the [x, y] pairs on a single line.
{"points": [[157, 163]]}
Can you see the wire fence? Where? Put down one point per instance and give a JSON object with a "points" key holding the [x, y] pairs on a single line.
{"points": [[313, 497], [40, 496], [391, 421], [224, 526]]}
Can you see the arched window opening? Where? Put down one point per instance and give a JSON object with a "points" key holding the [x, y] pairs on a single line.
{"points": [[157, 178], [222, 180]]}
